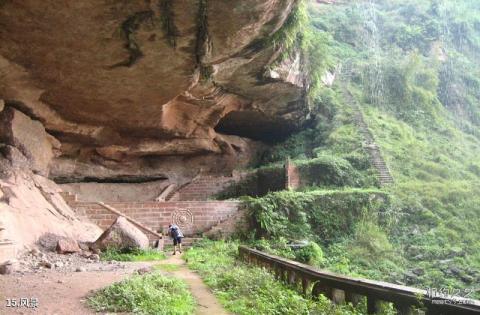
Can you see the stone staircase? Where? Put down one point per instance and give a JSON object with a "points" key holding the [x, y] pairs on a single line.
{"points": [[202, 188], [167, 193], [187, 242], [384, 176]]}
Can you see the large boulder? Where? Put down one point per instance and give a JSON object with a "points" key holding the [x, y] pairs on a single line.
{"points": [[28, 136], [122, 235], [67, 246]]}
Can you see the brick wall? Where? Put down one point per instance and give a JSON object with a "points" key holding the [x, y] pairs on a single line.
{"points": [[292, 175], [200, 215], [204, 188]]}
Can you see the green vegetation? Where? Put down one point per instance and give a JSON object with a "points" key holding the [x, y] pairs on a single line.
{"points": [[148, 294], [413, 66], [296, 37], [132, 255], [323, 216], [247, 290]]}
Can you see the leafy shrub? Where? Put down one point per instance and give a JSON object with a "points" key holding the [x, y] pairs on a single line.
{"points": [[148, 294], [311, 254], [327, 170], [323, 216]]}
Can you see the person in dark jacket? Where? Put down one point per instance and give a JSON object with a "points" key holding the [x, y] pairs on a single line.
{"points": [[177, 235]]}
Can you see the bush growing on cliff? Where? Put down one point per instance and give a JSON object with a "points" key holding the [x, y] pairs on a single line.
{"points": [[323, 216], [311, 254], [327, 170]]}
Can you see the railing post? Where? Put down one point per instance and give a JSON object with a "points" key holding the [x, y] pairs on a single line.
{"points": [[373, 305], [306, 283], [432, 309], [320, 288], [338, 296], [403, 309], [277, 271], [352, 298], [291, 277]]}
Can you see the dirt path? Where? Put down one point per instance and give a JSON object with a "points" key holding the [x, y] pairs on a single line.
{"points": [[207, 302], [65, 292], [58, 292]]}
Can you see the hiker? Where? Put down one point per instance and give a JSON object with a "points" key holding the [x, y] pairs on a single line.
{"points": [[177, 235]]}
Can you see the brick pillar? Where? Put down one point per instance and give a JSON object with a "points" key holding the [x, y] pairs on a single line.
{"points": [[292, 175]]}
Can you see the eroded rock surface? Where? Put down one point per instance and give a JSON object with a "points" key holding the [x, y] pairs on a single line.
{"points": [[134, 92], [123, 84], [29, 136]]}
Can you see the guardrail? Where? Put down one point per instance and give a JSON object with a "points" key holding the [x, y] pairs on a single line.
{"points": [[313, 282]]}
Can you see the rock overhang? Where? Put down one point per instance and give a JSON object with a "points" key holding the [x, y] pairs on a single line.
{"points": [[120, 82]]}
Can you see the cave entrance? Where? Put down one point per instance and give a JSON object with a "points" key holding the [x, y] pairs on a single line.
{"points": [[255, 125]]}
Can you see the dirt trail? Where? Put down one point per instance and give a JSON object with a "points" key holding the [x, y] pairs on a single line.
{"points": [[61, 293], [207, 302], [58, 292]]}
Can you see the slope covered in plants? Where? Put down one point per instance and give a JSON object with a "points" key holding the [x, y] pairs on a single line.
{"points": [[413, 68]]}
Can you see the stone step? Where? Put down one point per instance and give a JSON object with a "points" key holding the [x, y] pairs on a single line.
{"points": [[187, 241]]}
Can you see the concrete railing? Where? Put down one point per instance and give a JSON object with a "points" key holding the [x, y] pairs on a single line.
{"points": [[313, 282]]}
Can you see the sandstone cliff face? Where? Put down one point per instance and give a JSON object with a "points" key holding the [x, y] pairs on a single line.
{"points": [[137, 89], [151, 92]]}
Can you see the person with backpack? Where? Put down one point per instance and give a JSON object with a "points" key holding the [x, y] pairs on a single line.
{"points": [[177, 235]]}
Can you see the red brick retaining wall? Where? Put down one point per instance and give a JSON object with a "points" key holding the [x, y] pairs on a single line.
{"points": [[193, 217], [292, 175]]}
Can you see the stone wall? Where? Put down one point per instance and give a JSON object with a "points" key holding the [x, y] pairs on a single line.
{"points": [[194, 217]]}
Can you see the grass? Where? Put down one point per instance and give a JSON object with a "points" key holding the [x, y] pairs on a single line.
{"points": [[148, 294], [248, 290], [437, 197], [132, 255]]}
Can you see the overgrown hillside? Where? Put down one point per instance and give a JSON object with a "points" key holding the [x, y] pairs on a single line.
{"points": [[414, 68]]}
